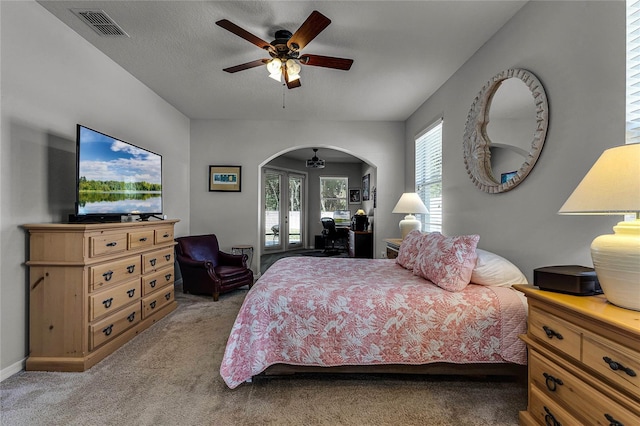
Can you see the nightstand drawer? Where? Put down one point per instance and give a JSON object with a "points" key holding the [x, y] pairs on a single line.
{"points": [[572, 393], [618, 364], [555, 332]]}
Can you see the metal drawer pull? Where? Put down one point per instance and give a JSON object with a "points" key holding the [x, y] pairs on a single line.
{"points": [[107, 303], [551, 333], [152, 262], [167, 257], [167, 277], [131, 268], [131, 292], [617, 366], [152, 283], [131, 317], [612, 421], [112, 244], [549, 420], [153, 304], [143, 239], [107, 330], [167, 296], [552, 382], [165, 236], [108, 275]]}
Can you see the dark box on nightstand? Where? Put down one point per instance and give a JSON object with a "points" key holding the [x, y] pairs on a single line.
{"points": [[569, 279]]}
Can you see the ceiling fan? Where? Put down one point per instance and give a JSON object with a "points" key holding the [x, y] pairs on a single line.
{"points": [[285, 50]]}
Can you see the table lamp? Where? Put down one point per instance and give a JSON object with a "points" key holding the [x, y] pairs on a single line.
{"points": [[410, 204], [612, 187]]}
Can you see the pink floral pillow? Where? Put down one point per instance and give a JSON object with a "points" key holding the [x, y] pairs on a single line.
{"points": [[447, 261], [409, 249]]}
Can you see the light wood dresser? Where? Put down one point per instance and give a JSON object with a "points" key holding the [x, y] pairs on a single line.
{"points": [[584, 361], [93, 287]]}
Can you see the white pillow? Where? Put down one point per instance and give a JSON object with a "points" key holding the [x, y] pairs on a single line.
{"points": [[494, 270]]}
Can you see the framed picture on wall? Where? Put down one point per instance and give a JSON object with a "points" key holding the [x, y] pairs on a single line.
{"points": [[224, 178], [354, 196], [365, 187]]}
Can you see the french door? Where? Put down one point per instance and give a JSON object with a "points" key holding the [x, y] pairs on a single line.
{"points": [[283, 210]]}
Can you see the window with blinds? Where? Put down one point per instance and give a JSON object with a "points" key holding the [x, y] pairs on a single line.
{"points": [[633, 72], [429, 176]]}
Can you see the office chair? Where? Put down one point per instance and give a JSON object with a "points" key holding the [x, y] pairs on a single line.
{"points": [[333, 240]]}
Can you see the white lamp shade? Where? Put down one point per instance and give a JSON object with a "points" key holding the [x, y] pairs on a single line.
{"points": [[409, 203], [612, 186]]}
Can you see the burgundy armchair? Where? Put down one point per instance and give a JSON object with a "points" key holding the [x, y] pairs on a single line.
{"points": [[207, 270]]}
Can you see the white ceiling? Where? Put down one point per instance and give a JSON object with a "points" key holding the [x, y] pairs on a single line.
{"points": [[403, 51]]}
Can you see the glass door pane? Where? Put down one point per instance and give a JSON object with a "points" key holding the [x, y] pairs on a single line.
{"points": [[272, 211], [295, 219]]}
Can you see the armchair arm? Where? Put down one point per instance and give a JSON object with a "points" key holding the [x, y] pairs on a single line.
{"points": [[232, 259], [187, 261]]}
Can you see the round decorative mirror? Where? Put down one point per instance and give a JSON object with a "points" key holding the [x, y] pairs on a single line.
{"points": [[505, 130]]}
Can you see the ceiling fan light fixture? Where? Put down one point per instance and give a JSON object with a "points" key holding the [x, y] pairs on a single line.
{"points": [[293, 70], [315, 162]]}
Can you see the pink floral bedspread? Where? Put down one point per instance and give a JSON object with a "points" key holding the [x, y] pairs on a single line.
{"points": [[329, 312]]}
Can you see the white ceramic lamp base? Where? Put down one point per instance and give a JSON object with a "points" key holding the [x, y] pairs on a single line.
{"points": [[408, 224], [616, 259]]}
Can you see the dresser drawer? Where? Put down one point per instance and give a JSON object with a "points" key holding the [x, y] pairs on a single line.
{"points": [[618, 364], [157, 260], [156, 301], [164, 234], [575, 395], [114, 325], [141, 239], [107, 274], [547, 412], [112, 299], [102, 244], [157, 280], [555, 332]]}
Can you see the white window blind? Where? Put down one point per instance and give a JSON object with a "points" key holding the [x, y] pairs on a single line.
{"points": [[633, 72], [429, 176]]}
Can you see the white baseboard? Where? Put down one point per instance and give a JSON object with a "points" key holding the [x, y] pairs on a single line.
{"points": [[5, 373]]}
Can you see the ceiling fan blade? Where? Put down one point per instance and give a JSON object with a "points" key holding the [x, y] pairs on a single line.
{"points": [[326, 61], [315, 23], [293, 84], [240, 32], [246, 66]]}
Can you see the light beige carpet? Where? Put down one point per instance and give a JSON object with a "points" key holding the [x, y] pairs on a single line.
{"points": [[169, 375]]}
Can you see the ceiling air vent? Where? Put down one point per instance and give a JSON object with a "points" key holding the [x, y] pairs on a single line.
{"points": [[100, 22]]}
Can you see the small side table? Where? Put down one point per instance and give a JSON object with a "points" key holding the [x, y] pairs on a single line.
{"points": [[244, 249], [393, 246]]}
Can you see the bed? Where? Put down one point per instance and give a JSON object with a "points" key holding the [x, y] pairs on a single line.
{"points": [[341, 314]]}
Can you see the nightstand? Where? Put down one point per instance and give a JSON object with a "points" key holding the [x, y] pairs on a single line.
{"points": [[393, 246], [584, 360]]}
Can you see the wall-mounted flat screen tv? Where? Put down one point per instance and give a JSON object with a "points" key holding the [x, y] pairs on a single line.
{"points": [[115, 178]]}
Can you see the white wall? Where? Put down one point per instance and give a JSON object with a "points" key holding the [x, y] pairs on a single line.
{"points": [[51, 80], [234, 217], [577, 50]]}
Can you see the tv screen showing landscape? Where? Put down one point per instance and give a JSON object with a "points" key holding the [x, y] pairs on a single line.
{"points": [[115, 177]]}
